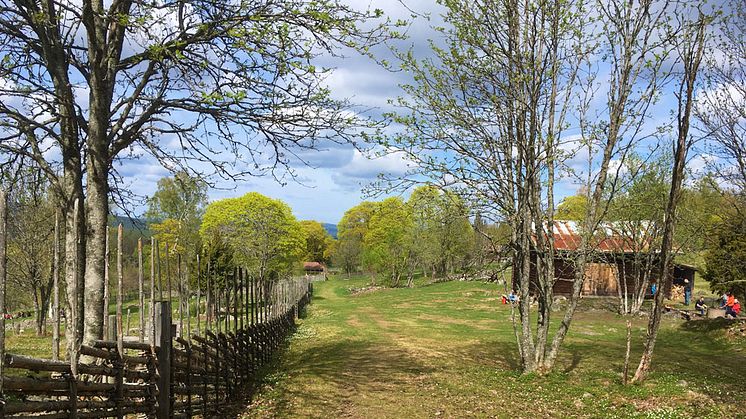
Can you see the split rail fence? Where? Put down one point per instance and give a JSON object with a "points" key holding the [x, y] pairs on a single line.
{"points": [[171, 376], [169, 369]]}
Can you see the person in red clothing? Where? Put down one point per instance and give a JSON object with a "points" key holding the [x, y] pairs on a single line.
{"points": [[734, 309], [731, 300]]}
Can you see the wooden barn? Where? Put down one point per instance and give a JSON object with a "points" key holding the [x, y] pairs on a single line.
{"points": [[314, 268], [613, 257]]}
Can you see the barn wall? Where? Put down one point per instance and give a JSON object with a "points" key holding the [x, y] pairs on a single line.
{"points": [[601, 278]]}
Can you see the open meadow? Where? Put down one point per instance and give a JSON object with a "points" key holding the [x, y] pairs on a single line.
{"points": [[448, 350]]}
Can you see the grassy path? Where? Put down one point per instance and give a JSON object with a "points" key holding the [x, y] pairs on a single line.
{"points": [[447, 350]]}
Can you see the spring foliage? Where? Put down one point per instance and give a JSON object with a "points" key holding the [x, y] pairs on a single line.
{"points": [[429, 233], [258, 233]]}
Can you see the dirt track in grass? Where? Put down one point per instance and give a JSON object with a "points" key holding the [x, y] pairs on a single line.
{"points": [[447, 350]]}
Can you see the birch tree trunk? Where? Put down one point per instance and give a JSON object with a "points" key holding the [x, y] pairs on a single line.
{"points": [[97, 213], [691, 51]]}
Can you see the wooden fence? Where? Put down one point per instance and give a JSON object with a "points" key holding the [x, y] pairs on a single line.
{"points": [[164, 371], [170, 376]]}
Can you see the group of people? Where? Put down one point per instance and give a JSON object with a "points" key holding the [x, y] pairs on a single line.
{"points": [[729, 302], [19, 315], [731, 305], [511, 298]]}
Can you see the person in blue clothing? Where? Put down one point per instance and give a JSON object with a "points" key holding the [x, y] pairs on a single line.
{"points": [[687, 292], [653, 288]]}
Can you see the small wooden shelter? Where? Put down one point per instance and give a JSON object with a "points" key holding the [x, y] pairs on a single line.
{"points": [[613, 256], [314, 268]]}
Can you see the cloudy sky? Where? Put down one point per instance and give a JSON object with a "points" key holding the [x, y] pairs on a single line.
{"points": [[335, 176]]}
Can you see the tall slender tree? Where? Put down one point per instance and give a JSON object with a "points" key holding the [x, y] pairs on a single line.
{"points": [[690, 47], [232, 84]]}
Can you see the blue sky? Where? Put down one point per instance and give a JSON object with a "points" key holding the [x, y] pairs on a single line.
{"points": [[335, 176]]}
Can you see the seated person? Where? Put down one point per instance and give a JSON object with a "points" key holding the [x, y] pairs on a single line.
{"points": [[724, 300], [729, 302], [513, 298], [733, 310], [700, 306]]}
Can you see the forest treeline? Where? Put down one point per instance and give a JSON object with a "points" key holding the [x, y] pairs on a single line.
{"points": [[433, 234]]}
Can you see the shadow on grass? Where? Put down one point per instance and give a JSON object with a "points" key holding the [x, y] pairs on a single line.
{"points": [[574, 362], [358, 364], [337, 374], [504, 355], [709, 325]]}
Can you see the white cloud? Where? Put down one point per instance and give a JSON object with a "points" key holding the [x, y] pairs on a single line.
{"points": [[368, 167]]}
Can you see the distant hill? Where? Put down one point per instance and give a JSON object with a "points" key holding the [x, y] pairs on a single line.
{"points": [[129, 223], [142, 225], [331, 229]]}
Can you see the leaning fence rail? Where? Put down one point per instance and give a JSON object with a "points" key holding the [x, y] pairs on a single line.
{"points": [[173, 375], [162, 371]]}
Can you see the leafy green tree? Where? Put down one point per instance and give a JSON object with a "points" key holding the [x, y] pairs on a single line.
{"points": [[573, 207], [388, 244], [261, 233], [175, 212], [445, 238], [351, 231], [30, 244], [319, 243], [701, 212], [725, 260]]}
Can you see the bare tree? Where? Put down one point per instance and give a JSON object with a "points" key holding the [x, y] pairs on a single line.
{"points": [[689, 46], [722, 107], [30, 241], [230, 87]]}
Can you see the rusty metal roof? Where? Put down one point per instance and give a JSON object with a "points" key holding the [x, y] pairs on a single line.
{"points": [[313, 265], [610, 237]]}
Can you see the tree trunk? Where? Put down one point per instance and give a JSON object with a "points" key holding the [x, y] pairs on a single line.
{"points": [[97, 212], [104, 40], [625, 372], [38, 311], [74, 265], [691, 58]]}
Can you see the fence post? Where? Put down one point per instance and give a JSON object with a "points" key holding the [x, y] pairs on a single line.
{"points": [[106, 326], [163, 353], [180, 285], [141, 300], [3, 266], [56, 289], [120, 290], [199, 294], [111, 332], [152, 292]]}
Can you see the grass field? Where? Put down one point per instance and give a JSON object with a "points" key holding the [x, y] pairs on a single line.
{"points": [[447, 350]]}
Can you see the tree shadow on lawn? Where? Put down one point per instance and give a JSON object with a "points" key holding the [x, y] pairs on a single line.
{"points": [[504, 355], [337, 373], [691, 356], [701, 355]]}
